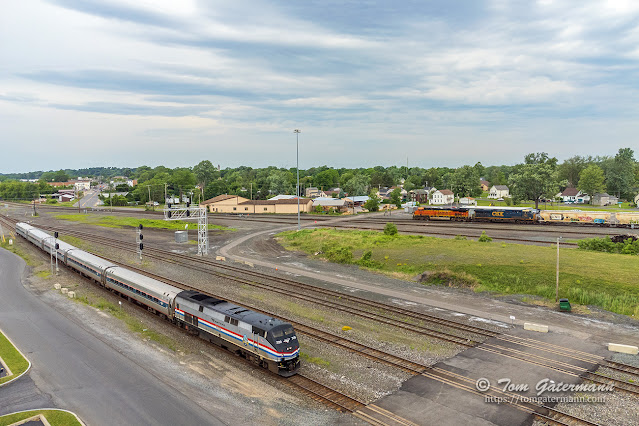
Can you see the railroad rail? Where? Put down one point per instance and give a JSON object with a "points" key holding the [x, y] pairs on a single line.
{"points": [[344, 402]]}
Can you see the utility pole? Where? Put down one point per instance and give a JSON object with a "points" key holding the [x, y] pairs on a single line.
{"points": [[165, 184], [557, 289], [149, 188]]}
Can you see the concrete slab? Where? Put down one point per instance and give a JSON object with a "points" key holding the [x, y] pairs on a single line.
{"points": [[424, 400], [626, 349]]}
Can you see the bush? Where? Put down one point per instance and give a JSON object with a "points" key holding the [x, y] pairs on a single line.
{"points": [[483, 238], [452, 279], [339, 255], [460, 237], [367, 260], [390, 229], [606, 245], [509, 201]]}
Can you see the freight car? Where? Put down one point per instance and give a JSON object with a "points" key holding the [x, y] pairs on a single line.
{"points": [[601, 218], [268, 342]]}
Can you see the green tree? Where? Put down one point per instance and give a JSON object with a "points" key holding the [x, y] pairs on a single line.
{"points": [[357, 185], [372, 205], [535, 178], [396, 197], [280, 182], [465, 181], [326, 179], [591, 180], [571, 169], [204, 173], [621, 175]]}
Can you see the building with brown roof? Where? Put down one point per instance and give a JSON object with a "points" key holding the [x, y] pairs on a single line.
{"points": [[240, 205]]}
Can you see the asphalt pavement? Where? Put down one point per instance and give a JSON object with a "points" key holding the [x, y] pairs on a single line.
{"points": [[75, 370]]}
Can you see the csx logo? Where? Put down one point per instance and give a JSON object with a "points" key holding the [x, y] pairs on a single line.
{"points": [[498, 214]]}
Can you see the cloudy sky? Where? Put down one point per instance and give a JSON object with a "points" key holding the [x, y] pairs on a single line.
{"points": [[125, 83]]}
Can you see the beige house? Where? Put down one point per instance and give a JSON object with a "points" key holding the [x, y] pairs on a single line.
{"points": [[485, 185], [240, 205], [637, 199]]}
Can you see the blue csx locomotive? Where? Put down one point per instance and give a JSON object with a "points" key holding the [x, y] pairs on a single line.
{"points": [[266, 341]]}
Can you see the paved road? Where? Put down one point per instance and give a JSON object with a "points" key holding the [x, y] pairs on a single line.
{"points": [[74, 370], [89, 200]]}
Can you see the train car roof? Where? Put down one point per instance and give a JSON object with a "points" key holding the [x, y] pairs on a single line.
{"points": [[147, 283], [229, 309], [498, 208], [24, 225], [90, 258]]}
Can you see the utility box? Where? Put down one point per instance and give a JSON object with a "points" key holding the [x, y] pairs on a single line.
{"points": [[564, 305], [181, 236]]}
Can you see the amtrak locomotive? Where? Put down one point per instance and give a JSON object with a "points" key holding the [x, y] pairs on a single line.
{"points": [[266, 341]]}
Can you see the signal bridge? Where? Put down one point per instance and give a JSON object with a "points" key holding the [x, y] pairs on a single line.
{"points": [[187, 212]]}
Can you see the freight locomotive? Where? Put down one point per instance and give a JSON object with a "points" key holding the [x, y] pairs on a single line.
{"points": [[527, 215], [268, 342], [478, 214]]}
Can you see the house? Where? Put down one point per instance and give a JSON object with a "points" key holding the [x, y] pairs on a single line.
{"points": [[333, 192], [468, 201], [58, 184], [637, 200], [82, 185], [499, 191], [485, 185], [235, 204], [313, 192], [419, 195], [359, 200], [443, 196], [603, 199], [330, 203], [569, 195]]}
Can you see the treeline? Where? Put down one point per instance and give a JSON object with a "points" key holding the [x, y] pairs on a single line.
{"points": [[66, 174], [538, 176], [16, 190]]}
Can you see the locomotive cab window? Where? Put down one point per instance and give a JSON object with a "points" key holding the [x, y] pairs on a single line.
{"points": [[201, 308]]}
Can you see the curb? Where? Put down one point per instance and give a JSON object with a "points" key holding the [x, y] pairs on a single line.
{"points": [[20, 352], [47, 409]]}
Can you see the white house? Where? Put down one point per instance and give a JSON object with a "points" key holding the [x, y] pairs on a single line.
{"points": [[443, 196], [499, 191], [468, 201], [637, 200]]}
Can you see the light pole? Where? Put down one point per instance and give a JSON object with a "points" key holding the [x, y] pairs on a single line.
{"points": [[557, 290], [297, 143]]}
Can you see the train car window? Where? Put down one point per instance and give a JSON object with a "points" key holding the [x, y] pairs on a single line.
{"points": [[177, 305], [234, 321], [227, 319], [288, 331], [201, 308], [277, 333]]}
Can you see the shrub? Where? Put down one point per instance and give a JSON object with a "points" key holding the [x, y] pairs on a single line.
{"points": [[339, 255], [606, 245], [390, 229], [452, 279], [460, 237], [509, 201], [483, 238]]}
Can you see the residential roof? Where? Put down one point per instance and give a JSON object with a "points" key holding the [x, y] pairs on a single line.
{"points": [[219, 198], [484, 182], [570, 192], [446, 192], [419, 191], [501, 187], [358, 198]]}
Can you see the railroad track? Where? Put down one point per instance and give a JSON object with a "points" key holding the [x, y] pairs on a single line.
{"points": [[563, 367], [346, 403]]}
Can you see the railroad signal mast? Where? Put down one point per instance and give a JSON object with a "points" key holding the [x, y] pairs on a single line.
{"points": [[187, 212], [138, 241]]}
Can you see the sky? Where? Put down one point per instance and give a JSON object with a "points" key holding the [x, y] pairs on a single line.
{"points": [[435, 83]]}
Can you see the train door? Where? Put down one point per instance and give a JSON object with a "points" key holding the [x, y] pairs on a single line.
{"points": [[191, 319]]}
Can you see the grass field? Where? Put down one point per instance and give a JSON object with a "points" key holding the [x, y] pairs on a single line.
{"points": [[120, 222], [10, 355], [606, 280], [561, 206], [54, 417]]}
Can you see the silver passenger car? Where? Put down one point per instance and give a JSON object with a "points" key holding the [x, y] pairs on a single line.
{"points": [[88, 264], [148, 291]]}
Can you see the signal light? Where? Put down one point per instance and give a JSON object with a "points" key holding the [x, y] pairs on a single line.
{"points": [[57, 246], [141, 237], [168, 205], [141, 246], [55, 234], [169, 214]]}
